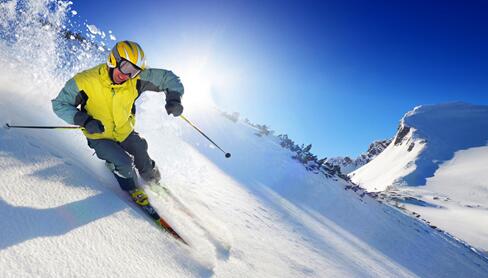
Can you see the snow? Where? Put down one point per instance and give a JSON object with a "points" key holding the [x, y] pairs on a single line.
{"points": [[388, 167], [446, 169], [274, 227], [459, 189], [63, 215], [464, 175], [436, 133], [112, 36], [348, 165], [93, 29]]}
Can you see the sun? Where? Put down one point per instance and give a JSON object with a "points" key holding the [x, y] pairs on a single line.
{"points": [[194, 68], [198, 87]]}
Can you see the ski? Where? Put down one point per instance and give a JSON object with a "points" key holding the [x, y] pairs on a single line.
{"points": [[163, 224], [164, 192]]}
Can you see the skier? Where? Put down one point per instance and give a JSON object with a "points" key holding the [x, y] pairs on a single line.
{"points": [[101, 100]]}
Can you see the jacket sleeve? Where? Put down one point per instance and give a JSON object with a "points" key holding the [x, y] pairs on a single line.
{"points": [[160, 80], [64, 105]]}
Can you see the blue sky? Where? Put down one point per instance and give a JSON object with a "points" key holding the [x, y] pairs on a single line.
{"points": [[337, 74]]}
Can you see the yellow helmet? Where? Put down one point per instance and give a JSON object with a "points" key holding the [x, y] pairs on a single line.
{"points": [[130, 51]]}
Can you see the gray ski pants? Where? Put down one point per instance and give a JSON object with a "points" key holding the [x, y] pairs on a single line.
{"points": [[124, 156]]}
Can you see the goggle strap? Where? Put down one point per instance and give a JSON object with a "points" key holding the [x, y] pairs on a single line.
{"points": [[117, 56]]}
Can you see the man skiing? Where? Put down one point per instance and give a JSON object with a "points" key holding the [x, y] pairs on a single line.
{"points": [[101, 100]]}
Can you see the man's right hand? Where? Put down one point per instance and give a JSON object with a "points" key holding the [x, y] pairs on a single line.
{"points": [[91, 125]]}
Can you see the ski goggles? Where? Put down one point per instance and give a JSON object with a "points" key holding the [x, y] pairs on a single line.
{"points": [[129, 69]]}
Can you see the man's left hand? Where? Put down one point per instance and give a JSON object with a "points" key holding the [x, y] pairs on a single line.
{"points": [[174, 107], [173, 104]]}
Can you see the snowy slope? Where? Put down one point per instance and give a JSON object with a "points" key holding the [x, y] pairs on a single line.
{"points": [[348, 165], [458, 194], [63, 215], [438, 157], [427, 136], [280, 220]]}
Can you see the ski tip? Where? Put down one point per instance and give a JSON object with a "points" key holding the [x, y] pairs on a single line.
{"points": [[176, 236], [167, 228], [182, 241], [6, 125]]}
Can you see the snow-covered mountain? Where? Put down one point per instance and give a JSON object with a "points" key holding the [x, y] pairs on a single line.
{"points": [[348, 165], [437, 166], [63, 215]]}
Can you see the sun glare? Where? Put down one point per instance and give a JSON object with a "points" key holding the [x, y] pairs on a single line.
{"points": [[196, 76], [198, 88]]}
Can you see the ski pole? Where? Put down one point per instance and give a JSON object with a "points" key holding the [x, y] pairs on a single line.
{"points": [[42, 127], [227, 155]]}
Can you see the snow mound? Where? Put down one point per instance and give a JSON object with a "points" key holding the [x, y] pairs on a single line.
{"points": [[436, 168], [427, 136]]}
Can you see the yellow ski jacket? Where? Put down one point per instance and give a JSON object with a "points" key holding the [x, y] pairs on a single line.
{"points": [[112, 104]]}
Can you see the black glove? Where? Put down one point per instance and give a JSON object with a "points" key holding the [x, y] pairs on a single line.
{"points": [[94, 126], [173, 104], [91, 125]]}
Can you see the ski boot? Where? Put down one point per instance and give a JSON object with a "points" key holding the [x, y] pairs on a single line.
{"points": [[139, 197], [152, 176]]}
